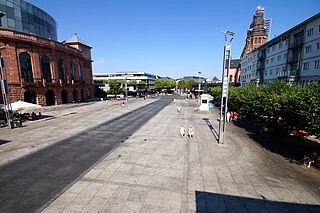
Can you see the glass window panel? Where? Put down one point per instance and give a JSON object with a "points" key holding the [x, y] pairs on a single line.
{"points": [[30, 8], [17, 14], [11, 23], [10, 12], [16, 4], [9, 4], [24, 6], [19, 25], [25, 26], [3, 8]]}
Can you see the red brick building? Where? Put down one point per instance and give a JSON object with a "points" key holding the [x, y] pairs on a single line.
{"points": [[44, 71]]}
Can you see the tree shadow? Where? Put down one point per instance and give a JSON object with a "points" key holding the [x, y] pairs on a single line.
{"points": [[212, 129], [213, 202], [290, 147]]}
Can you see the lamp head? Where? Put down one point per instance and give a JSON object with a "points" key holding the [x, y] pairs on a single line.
{"points": [[230, 33]]}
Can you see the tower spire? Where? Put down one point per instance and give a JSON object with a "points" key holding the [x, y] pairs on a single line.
{"points": [[258, 31]]}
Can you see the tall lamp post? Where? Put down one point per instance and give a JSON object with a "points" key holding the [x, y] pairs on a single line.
{"points": [[199, 88], [126, 87], [4, 90], [225, 84]]}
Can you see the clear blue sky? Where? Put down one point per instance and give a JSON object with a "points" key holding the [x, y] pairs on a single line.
{"points": [[171, 38]]}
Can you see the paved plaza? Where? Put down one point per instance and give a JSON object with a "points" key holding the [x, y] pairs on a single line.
{"points": [[155, 170]]}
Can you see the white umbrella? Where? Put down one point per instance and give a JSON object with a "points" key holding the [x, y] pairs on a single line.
{"points": [[21, 105]]}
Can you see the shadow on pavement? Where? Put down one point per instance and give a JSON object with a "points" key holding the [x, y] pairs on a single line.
{"points": [[4, 142], [212, 202], [213, 131], [290, 147]]}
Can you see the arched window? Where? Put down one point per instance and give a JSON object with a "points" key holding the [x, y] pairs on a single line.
{"points": [[72, 74], [80, 72], [259, 40], [26, 67], [62, 71], [46, 70], [255, 40]]}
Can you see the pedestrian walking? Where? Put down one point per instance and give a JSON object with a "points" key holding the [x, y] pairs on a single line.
{"points": [[190, 132], [182, 131], [228, 116], [179, 109]]}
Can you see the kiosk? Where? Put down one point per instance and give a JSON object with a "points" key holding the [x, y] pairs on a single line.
{"points": [[204, 102]]}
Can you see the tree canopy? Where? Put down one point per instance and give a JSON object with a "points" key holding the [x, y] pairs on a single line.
{"points": [[164, 84], [115, 86], [298, 106], [186, 84]]}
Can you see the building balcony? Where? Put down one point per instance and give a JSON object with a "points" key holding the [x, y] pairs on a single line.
{"points": [[293, 59], [293, 45]]}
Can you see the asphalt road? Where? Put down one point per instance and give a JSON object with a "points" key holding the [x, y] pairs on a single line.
{"points": [[30, 182]]}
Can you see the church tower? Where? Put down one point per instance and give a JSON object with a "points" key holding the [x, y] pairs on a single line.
{"points": [[258, 31]]}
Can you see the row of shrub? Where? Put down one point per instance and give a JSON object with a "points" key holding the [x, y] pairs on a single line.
{"points": [[297, 106]]}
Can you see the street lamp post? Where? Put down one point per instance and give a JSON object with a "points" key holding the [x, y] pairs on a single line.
{"points": [[199, 89], [126, 87], [4, 90], [225, 85]]}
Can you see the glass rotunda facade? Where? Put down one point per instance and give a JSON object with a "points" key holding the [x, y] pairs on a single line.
{"points": [[22, 16]]}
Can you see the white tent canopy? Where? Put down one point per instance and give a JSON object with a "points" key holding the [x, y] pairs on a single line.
{"points": [[21, 105]]}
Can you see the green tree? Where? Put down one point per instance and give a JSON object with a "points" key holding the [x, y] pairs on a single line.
{"points": [[133, 82], [142, 85], [306, 108], [298, 106], [115, 86], [164, 84], [186, 84]]}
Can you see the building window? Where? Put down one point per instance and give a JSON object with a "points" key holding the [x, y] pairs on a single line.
{"points": [[230, 78], [26, 67], [271, 71], [46, 70], [310, 32], [277, 70], [272, 60], [62, 71], [267, 61], [319, 28], [266, 73], [72, 72], [316, 64], [268, 50], [308, 48], [280, 45], [279, 57], [273, 48], [80, 72], [306, 66], [285, 55], [318, 46]]}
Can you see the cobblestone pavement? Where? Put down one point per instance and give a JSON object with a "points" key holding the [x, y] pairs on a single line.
{"points": [[155, 170]]}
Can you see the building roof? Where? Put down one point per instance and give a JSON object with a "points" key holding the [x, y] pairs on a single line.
{"points": [[75, 39], [234, 63], [215, 79]]}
